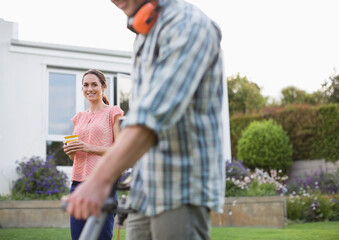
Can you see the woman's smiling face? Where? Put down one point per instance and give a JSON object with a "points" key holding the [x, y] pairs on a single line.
{"points": [[91, 87]]}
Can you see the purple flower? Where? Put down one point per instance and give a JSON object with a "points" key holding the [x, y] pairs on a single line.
{"points": [[39, 177]]}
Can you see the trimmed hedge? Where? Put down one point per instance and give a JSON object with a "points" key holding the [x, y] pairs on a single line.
{"points": [[313, 130]]}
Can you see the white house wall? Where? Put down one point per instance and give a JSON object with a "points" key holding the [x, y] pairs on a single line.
{"points": [[24, 92]]}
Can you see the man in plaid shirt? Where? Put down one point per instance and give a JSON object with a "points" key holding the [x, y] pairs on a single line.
{"points": [[172, 135]]}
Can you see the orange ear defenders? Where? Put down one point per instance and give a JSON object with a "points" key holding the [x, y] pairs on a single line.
{"points": [[144, 18]]}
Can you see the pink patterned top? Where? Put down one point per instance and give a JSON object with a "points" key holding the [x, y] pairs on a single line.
{"points": [[93, 128]]}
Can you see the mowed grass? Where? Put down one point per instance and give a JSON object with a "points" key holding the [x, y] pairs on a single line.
{"points": [[306, 231]]}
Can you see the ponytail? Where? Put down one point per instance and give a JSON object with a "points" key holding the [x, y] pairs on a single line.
{"points": [[105, 99]]}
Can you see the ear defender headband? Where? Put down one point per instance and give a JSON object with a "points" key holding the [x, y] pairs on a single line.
{"points": [[144, 18]]}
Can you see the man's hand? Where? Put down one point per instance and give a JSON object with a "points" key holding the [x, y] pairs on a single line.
{"points": [[87, 199]]}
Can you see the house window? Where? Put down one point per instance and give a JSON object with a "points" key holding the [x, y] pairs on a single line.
{"points": [[123, 86], [61, 107], [65, 99]]}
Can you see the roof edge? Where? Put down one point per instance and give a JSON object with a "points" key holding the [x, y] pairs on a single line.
{"points": [[70, 48]]}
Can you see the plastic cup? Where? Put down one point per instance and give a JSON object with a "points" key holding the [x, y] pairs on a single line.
{"points": [[71, 138]]}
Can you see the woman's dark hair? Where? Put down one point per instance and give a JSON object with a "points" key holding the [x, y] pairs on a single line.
{"points": [[102, 80]]}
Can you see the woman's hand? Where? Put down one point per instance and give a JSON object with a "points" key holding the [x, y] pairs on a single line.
{"points": [[78, 145], [68, 152]]}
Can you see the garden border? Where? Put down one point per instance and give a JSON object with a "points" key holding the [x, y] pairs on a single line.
{"points": [[238, 212], [268, 212]]}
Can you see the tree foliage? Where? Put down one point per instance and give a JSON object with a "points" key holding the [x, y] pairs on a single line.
{"points": [[291, 95], [244, 96], [329, 93], [332, 89]]}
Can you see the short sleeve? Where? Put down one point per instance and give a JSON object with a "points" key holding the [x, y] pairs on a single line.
{"points": [[76, 117], [116, 111]]}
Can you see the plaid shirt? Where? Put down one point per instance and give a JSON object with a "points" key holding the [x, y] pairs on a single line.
{"points": [[177, 92]]}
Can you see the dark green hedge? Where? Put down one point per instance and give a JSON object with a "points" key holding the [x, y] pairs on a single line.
{"points": [[313, 130]]}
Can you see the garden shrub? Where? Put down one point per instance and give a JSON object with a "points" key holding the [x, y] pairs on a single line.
{"points": [[265, 145], [39, 180]]}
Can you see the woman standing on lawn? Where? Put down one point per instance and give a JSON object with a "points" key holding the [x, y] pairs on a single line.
{"points": [[97, 128]]}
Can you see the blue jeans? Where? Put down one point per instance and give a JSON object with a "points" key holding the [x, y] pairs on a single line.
{"points": [[78, 225]]}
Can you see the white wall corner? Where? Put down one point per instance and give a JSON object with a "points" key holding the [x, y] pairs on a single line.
{"points": [[15, 31]]}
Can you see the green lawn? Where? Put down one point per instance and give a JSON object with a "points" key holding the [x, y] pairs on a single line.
{"points": [[307, 231]]}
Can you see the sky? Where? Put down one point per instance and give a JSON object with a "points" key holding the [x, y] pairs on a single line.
{"points": [[274, 43]]}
